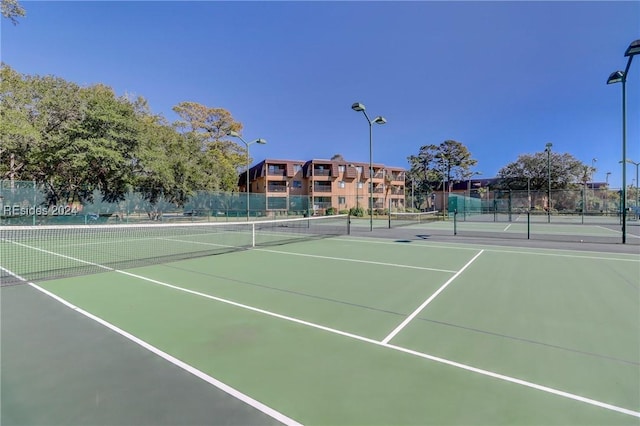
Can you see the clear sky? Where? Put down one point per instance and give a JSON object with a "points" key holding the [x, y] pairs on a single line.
{"points": [[504, 78]]}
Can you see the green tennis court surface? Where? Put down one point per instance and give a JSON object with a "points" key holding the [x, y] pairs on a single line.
{"points": [[333, 331]]}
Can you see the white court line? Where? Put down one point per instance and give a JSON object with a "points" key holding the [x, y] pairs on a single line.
{"points": [[393, 265], [426, 302], [386, 345], [550, 252], [173, 360], [508, 226], [342, 259]]}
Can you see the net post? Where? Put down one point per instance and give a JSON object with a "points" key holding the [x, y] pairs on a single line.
{"points": [[584, 201], [528, 224], [495, 207], [253, 235], [455, 221], [35, 202], [349, 224], [389, 213]]}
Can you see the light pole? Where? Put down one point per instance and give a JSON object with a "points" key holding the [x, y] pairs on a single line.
{"points": [[528, 191], [358, 107], [606, 193], [621, 77], [637, 197], [548, 150], [413, 198], [235, 134]]}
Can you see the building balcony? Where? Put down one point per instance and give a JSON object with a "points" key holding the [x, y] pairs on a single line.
{"points": [[321, 188], [276, 188]]}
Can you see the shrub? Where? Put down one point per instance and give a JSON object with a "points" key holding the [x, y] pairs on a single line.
{"points": [[330, 211], [356, 211]]}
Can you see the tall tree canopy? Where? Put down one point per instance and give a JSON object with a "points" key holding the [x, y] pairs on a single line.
{"points": [[449, 161], [80, 141], [533, 169]]}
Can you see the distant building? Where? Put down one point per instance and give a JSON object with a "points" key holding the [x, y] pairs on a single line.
{"points": [[328, 183]]}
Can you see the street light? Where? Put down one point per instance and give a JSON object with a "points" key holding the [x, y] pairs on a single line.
{"points": [[235, 134], [621, 77], [358, 107], [548, 151], [637, 197]]}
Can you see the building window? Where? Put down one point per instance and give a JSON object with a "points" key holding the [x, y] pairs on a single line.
{"points": [[359, 185], [341, 184], [341, 169], [297, 184], [297, 168], [342, 200]]}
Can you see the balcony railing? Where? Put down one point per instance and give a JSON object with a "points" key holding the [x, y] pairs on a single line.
{"points": [[321, 188], [277, 188], [321, 172], [277, 172]]}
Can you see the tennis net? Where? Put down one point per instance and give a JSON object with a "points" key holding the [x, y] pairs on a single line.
{"points": [[411, 218], [36, 253]]}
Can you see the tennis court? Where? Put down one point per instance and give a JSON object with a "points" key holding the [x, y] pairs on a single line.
{"points": [[317, 327]]}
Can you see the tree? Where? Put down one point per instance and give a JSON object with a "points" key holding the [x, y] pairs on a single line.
{"points": [[533, 170], [99, 148], [222, 158], [12, 10], [167, 162], [450, 161], [74, 140], [17, 132]]}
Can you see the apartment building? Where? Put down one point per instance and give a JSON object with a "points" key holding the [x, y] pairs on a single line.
{"points": [[327, 183]]}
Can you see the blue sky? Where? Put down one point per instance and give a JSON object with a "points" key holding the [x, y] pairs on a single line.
{"points": [[504, 78]]}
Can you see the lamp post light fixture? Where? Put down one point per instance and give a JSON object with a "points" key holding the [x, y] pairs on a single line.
{"points": [[621, 77], [358, 107], [235, 134], [548, 151]]}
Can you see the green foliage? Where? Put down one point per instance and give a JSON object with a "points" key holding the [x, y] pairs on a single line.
{"points": [[86, 141], [450, 161], [12, 10], [356, 211], [533, 169], [330, 211]]}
